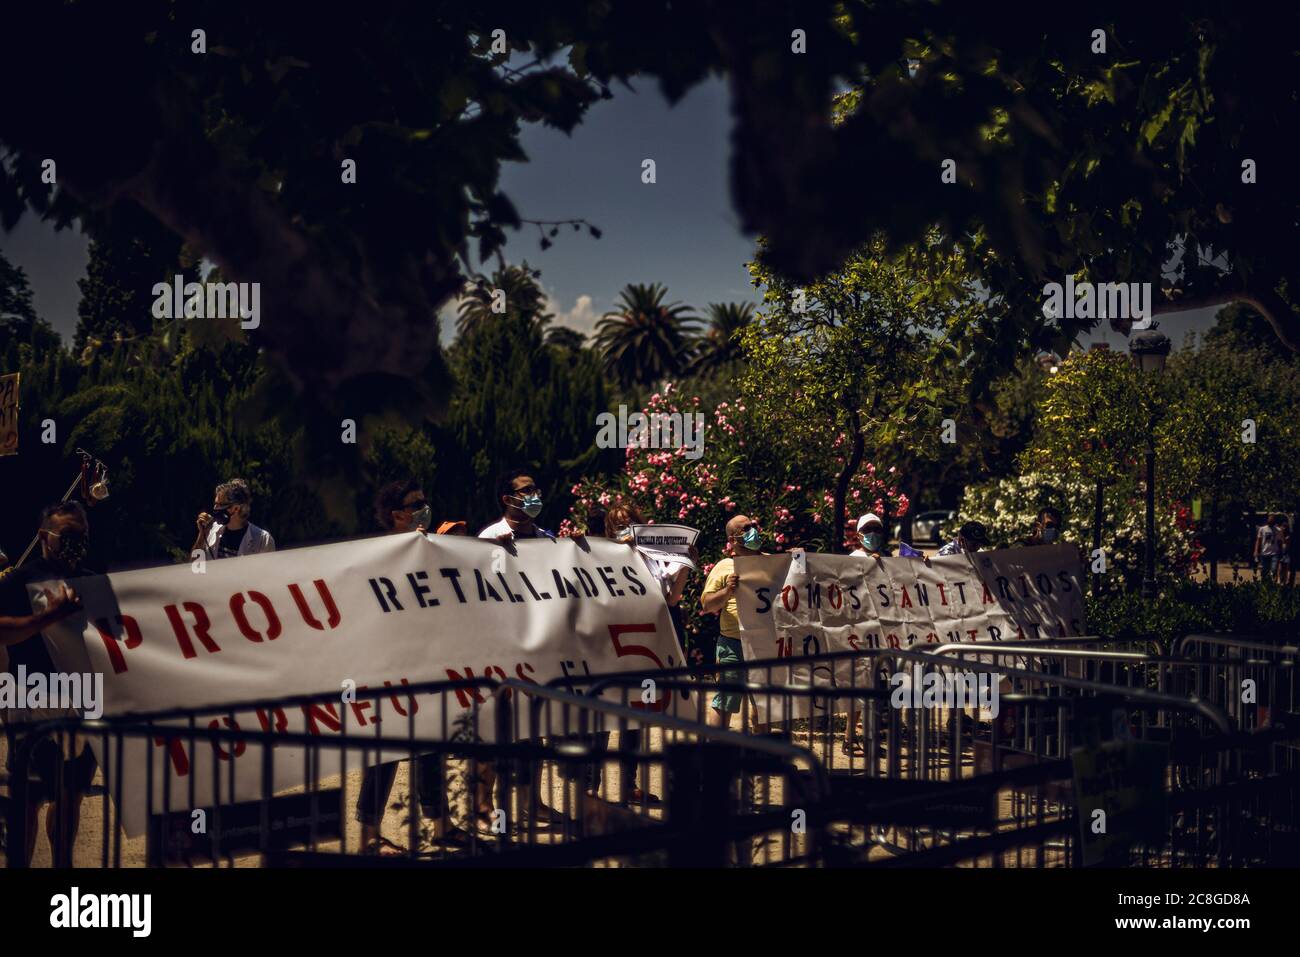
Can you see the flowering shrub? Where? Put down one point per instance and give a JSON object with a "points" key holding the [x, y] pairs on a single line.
{"points": [[1008, 508], [741, 471]]}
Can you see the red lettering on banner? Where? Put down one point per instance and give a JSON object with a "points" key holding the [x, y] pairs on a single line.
{"points": [[988, 596], [943, 597], [519, 673], [176, 752], [642, 651], [281, 719], [892, 639], [397, 705], [463, 695], [128, 625], [906, 602], [834, 597], [974, 633], [786, 592], [222, 753], [359, 707], [328, 715], [273, 629], [331, 609], [201, 628], [502, 674], [931, 639]]}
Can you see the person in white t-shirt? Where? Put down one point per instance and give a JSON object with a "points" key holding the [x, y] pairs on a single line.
{"points": [[226, 532], [1268, 546], [521, 502]]}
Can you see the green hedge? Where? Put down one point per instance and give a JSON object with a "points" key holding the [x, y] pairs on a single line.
{"points": [[1255, 608]]}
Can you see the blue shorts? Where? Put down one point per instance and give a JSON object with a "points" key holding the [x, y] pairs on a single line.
{"points": [[730, 651]]}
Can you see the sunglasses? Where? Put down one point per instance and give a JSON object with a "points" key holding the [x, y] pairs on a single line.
{"points": [[414, 506]]}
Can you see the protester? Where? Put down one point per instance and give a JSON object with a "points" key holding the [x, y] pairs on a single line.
{"points": [[1285, 567], [719, 598], [401, 507], [871, 538], [1047, 527], [521, 502], [971, 537], [671, 576], [227, 531], [1268, 547], [64, 540]]}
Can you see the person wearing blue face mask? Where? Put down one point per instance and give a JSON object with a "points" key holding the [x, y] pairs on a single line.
{"points": [[521, 502], [871, 535], [719, 598]]}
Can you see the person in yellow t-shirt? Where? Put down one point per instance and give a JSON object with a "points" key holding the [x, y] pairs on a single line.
{"points": [[719, 598]]}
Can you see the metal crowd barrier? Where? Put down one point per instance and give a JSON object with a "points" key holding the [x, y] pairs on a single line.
{"points": [[937, 779], [537, 811], [824, 768]]}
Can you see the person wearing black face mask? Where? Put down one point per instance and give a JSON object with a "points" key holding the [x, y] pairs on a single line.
{"points": [[227, 532], [65, 540]]}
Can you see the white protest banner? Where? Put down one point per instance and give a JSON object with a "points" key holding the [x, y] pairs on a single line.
{"points": [[670, 544], [841, 603], [379, 612]]}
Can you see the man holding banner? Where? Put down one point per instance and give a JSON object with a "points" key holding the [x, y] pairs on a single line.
{"points": [[64, 537], [719, 598]]}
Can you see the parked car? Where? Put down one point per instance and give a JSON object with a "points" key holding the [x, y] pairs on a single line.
{"points": [[934, 526]]}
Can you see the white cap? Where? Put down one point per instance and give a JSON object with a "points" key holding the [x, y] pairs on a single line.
{"points": [[868, 518]]}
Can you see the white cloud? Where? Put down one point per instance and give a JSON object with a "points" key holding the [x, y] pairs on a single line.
{"points": [[582, 317]]}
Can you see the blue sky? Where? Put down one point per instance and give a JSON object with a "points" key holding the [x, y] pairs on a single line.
{"points": [[680, 231]]}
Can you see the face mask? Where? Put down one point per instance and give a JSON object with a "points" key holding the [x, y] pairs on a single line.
{"points": [[1050, 533], [871, 541], [421, 516], [623, 535], [67, 549], [750, 539], [222, 515], [532, 505]]}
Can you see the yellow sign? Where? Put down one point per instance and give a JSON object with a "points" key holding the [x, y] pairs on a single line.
{"points": [[9, 414]]}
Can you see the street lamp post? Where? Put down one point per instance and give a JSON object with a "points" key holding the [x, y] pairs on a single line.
{"points": [[1150, 349]]}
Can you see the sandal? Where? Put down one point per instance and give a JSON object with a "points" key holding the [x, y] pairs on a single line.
{"points": [[856, 748], [383, 847]]}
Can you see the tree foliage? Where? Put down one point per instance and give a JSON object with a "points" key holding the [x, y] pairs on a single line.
{"points": [[875, 352]]}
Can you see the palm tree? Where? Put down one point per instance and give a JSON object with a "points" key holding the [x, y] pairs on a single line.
{"points": [[522, 296], [644, 340], [719, 347], [565, 338]]}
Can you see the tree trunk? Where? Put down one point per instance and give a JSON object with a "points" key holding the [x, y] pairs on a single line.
{"points": [[1212, 545], [1096, 535], [850, 469]]}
